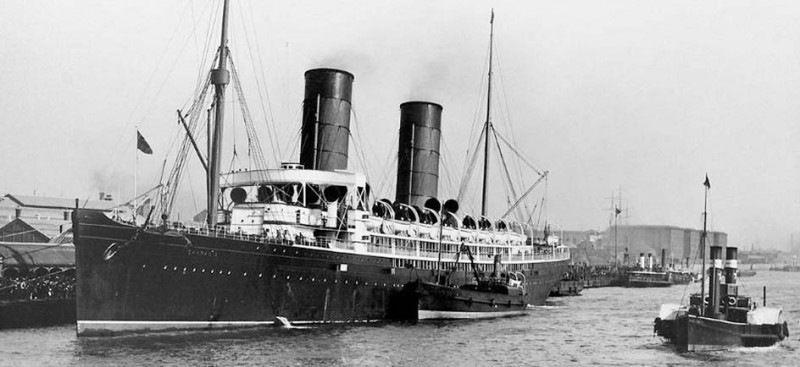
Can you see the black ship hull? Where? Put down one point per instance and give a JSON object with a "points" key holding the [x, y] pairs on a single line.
{"points": [[438, 302], [147, 280]]}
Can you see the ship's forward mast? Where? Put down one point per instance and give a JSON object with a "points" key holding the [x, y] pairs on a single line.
{"points": [[220, 77], [204, 121]]}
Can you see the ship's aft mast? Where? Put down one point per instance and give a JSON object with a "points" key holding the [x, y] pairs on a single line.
{"points": [[488, 125], [220, 78]]}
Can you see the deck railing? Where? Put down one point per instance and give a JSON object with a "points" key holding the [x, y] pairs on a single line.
{"points": [[415, 251]]}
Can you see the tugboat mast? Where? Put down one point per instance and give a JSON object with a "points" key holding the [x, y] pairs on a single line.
{"points": [[707, 184], [220, 77], [488, 125]]}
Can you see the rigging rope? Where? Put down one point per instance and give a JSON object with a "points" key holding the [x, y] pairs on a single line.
{"points": [[269, 121], [252, 137], [462, 188], [509, 183], [359, 146]]}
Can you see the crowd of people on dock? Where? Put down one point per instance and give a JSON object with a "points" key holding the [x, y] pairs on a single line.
{"points": [[37, 287]]}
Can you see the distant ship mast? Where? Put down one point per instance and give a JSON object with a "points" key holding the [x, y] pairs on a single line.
{"points": [[220, 77], [488, 124]]}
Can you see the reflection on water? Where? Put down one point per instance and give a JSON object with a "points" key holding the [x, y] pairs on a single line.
{"points": [[606, 326]]}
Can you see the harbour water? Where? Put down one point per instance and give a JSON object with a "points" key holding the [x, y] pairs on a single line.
{"points": [[603, 326]]}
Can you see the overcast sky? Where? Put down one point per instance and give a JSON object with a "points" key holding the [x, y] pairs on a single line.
{"points": [[643, 95]]}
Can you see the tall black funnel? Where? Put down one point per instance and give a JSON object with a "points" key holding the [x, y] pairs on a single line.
{"points": [[326, 119], [418, 152]]}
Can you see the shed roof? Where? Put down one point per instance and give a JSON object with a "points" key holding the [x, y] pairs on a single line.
{"points": [[48, 227], [18, 254], [58, 203]]}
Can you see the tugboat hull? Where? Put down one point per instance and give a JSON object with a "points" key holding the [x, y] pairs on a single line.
{"points": [[435, 301], [696, 333], [705, 333]]}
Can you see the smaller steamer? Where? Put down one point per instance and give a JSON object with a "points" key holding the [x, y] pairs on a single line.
{"points": [[723, 318]]}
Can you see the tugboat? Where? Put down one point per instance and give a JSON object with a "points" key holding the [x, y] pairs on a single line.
{"points": [[500, 294], [723, 318]]}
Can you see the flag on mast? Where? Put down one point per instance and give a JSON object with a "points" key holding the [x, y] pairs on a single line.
{"points": [[707, 183], [141, 144]]}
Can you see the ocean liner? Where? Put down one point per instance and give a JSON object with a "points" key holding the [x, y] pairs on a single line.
{"points": [[306, 242]]}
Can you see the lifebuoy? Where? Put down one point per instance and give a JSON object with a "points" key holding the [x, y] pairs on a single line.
{"points": [[705, 300], [731, 301]]}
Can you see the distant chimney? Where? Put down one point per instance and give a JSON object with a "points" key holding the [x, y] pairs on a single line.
{"points": [[18, 212]]}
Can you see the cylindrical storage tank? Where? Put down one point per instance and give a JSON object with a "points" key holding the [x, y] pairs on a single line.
{"points": [[324, 140], [731, 264], [418, 152]]}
